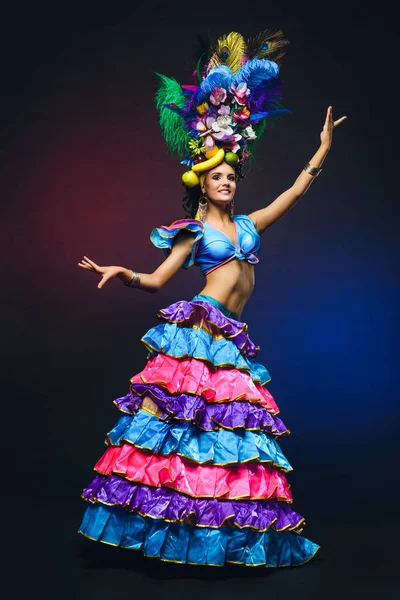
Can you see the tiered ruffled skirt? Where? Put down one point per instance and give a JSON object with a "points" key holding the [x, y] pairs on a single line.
{"points": [[204, 482]]}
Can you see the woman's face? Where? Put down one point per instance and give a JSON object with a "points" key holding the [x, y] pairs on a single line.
{"points": [[220, 184]]}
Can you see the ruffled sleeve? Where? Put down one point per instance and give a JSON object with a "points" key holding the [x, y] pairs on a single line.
{"points": [[164, 237]]}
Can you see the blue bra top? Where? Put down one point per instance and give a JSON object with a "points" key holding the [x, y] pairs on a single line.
{"points": [[212, 248]]}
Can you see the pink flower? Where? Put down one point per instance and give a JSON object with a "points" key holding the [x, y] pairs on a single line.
{"points": [[242, 114], [240, 93], [217, 96], [231, 144], [224, 110], [203, 123]]}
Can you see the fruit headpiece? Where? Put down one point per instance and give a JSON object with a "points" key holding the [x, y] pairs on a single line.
{"points": [[221, 115]]}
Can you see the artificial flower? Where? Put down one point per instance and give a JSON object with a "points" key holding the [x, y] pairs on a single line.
{"points": [[202, 108], [222, 127], [241, 92], [231, 143], [196, 147], [203, 123], [249, 133], [224, 110], [242, 114], [217, 96]]}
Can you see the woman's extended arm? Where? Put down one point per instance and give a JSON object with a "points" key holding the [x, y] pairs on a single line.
{"points": [[266, 216], [149, 282]]}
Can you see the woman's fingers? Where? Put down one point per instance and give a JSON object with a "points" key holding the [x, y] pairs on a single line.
{"points": [[85, 265], [91, 262], [88, 264], [103, 281], [336, 123]]}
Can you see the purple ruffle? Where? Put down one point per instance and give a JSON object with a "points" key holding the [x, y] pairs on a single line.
{"points": [[170, 505], [188, 407], [190, 313]]}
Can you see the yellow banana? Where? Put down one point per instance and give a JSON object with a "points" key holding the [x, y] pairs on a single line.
{"points": [[210, 163]]}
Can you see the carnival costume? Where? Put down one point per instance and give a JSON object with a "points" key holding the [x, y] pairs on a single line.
{"points": [[204, 482]]}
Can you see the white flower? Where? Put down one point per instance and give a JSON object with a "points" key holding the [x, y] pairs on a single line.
{"points": [[249, 133], [222, 127]]}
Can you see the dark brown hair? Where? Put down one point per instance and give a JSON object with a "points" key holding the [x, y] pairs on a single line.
{"points": [[192, 195]]}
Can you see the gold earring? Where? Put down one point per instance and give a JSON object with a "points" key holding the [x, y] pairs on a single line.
{"points": [[202, 209]]}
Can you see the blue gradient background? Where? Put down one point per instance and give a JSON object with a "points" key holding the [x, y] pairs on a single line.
{"points": [[86, 171]]}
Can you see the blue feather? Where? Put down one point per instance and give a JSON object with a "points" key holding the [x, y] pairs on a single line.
{"points": [[258, 116], [255, 72], [220, 76], [261, 115]]}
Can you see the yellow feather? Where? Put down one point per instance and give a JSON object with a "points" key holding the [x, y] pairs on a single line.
{"points": [[229, 50]]}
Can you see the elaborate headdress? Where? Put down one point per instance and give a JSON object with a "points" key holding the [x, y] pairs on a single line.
{"points": [[224, 111]]}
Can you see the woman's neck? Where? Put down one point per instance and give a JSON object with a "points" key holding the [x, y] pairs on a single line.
{"points": [[218, 215]]}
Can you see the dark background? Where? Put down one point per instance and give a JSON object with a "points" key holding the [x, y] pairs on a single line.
{"points": [[85, 170]]}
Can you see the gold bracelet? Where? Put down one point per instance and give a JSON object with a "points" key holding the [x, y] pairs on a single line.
{"points": [[135, 281], [314, 171]]}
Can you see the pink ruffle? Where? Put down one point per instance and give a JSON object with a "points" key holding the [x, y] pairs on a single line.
{"points": [[252, 481], [195, 377]]}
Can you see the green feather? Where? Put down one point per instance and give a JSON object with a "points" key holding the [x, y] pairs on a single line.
{"points": [[170, 92]]}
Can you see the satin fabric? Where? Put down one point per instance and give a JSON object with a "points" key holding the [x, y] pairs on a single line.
{"points": [[208, 314], [180, 342], [200, 298], [147, 432], [216, 248], [212, 248], [205, 415], [197, 377], [204, 480], [194, 545], [163, 237], [173, 506], [248, 481]]}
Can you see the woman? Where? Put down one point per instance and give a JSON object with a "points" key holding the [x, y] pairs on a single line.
{"points": [[193, 472]]}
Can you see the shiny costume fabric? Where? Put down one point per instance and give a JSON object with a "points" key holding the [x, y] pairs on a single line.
{"points": [[204, 481], [212, 248]]}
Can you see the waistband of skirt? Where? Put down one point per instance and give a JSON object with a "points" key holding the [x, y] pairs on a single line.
{"points": [[219, 305]]}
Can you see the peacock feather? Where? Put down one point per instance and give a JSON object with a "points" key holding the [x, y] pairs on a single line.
{"points": [[267, 44], [235, 93], [229, 50]]}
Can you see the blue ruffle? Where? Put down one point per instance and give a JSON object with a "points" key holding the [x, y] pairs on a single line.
{"points": [[163, 237], [177, 542], [183, 342], [220, 447]]}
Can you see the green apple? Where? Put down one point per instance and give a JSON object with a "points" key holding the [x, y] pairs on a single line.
{"points": [[231, 158]]}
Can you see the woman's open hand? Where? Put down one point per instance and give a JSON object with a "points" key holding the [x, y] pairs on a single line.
{"points": [[329, 126], [106, 273]]}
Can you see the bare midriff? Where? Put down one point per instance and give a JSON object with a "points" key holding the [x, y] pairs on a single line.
{"points": [[231, 284]]}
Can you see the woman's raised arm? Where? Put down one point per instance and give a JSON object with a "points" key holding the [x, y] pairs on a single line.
{"points": [[266, 216], [149, 282]]}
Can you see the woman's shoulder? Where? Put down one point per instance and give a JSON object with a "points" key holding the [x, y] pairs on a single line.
{"points": [[243, 218]]}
